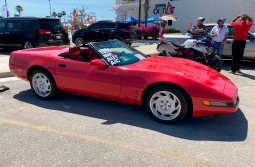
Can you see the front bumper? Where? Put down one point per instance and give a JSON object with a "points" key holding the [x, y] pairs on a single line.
{"points": [[200, 110]]}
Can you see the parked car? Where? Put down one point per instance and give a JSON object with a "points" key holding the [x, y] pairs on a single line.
{"points": [[30, 32], [170, 88], [179, 39], [103, 31]]}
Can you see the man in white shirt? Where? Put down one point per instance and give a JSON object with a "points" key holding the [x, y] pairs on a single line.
{"points": [[220, 35]]}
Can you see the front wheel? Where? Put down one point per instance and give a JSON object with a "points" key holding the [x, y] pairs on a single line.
{"points": [[79, 41], [167, 104], [216, 63]]}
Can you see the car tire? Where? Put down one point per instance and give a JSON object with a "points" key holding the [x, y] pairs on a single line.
{"points": [[28, 44], [167, 104], [43, 84], [79, 41]]}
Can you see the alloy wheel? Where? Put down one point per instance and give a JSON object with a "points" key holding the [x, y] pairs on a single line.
{"points": [[79, 41], [165, 105]]}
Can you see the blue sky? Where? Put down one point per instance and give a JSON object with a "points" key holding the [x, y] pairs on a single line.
{"points": [[40, 8]]}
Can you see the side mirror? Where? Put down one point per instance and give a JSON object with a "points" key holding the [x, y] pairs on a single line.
{"points": [[189, 31], [87, 28], [99, 63]]}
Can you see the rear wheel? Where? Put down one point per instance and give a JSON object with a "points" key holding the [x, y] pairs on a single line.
{"points": [[28, 44], [216, 63], [43, 84], [79, 41], [167, 104]]}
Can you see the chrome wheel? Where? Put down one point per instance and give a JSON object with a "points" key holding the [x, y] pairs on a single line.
{"points": [[28, 45], [79, 41], [165, 105], [41, 85]]}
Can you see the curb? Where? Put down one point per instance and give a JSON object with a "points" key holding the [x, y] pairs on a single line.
{"points": [[4, 74], [147, 41]]}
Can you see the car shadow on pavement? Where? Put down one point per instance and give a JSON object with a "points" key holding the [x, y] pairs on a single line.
{"points": [[225, 127], [246, 65]]}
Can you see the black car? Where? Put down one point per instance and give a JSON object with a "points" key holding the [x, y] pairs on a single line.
{"points": [[30, 32], [105, 30]]}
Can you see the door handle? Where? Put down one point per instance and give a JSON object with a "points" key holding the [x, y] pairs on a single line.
{"points": [[229, 42], [62, 65], [112, 30], [6, 32], [96, 31]]}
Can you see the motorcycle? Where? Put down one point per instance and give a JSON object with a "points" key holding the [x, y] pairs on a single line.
{"points": [[196, 50]]}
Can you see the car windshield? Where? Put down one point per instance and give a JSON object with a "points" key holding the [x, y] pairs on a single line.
{"points": [[117, 53]]}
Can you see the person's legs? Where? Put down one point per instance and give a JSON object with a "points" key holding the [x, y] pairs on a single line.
{"points": [[235, 53], [213, 49], [220, 50], [240, 56]]}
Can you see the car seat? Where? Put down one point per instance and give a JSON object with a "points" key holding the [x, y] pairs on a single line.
{"points": [[92, 55], [74, 53]]}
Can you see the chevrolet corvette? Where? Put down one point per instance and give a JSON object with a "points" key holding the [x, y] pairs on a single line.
{"points": [[170, 88]]}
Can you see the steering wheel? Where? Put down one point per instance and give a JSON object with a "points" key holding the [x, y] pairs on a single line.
{"points": [[121, 53]]}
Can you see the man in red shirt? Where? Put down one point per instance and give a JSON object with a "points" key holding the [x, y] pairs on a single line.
{"points": [[239, 40]]}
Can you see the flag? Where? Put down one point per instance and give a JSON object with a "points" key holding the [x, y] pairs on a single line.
{"points": [[116, 17], [160, 31], [74, 15], [4, 11]]}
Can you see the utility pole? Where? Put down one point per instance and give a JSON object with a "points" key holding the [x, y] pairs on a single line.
{"points": [[139, 17], [50, 7]]}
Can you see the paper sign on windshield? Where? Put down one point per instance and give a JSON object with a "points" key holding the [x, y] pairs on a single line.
{"points": [[107, 53], [139, 56]]}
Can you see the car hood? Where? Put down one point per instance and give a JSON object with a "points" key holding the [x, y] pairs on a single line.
{"points": [[183, 67], [177, 35]]}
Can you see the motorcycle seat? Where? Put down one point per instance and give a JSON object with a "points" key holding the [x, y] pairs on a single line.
{"points": [[176, 45]]}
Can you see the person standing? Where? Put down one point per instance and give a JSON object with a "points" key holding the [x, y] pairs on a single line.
{"points": [[198, 29], [220, 35], [239, 40]]}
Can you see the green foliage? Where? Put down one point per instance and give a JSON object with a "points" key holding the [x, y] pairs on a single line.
{"points": [[54, 14], [251, 31], [19, 9], [171, 30]]}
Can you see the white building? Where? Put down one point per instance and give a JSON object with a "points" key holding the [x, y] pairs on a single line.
{"points": [[189, 10]]}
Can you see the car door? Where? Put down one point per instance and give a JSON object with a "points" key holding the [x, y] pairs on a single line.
{"points": [[14, 33], [227, 52], [249, 52], [2, 32], [92, 33], [84, 78], [107, 30]]}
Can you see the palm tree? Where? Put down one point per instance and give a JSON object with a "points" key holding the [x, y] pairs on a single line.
{"points": [[63, 14], [59, 16], [19, 9], [146, 9], [54, 14]]}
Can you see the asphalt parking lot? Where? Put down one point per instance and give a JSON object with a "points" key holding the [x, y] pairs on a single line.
{"points": [[81, 131]]}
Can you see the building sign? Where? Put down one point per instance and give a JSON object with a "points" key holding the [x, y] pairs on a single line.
{"points": [[167, 8]]}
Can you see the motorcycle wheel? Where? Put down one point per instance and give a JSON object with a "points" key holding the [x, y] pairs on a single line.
{"points": [[216, 63]]}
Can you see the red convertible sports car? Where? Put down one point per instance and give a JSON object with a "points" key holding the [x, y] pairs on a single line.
{"points": [[170, 88]]}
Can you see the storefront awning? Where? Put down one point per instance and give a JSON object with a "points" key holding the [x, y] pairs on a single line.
{"points": [[126, 7]]}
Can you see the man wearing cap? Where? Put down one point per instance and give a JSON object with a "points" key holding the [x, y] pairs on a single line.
{"points": [[220, 35], [198, 29], [239, 42]]}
